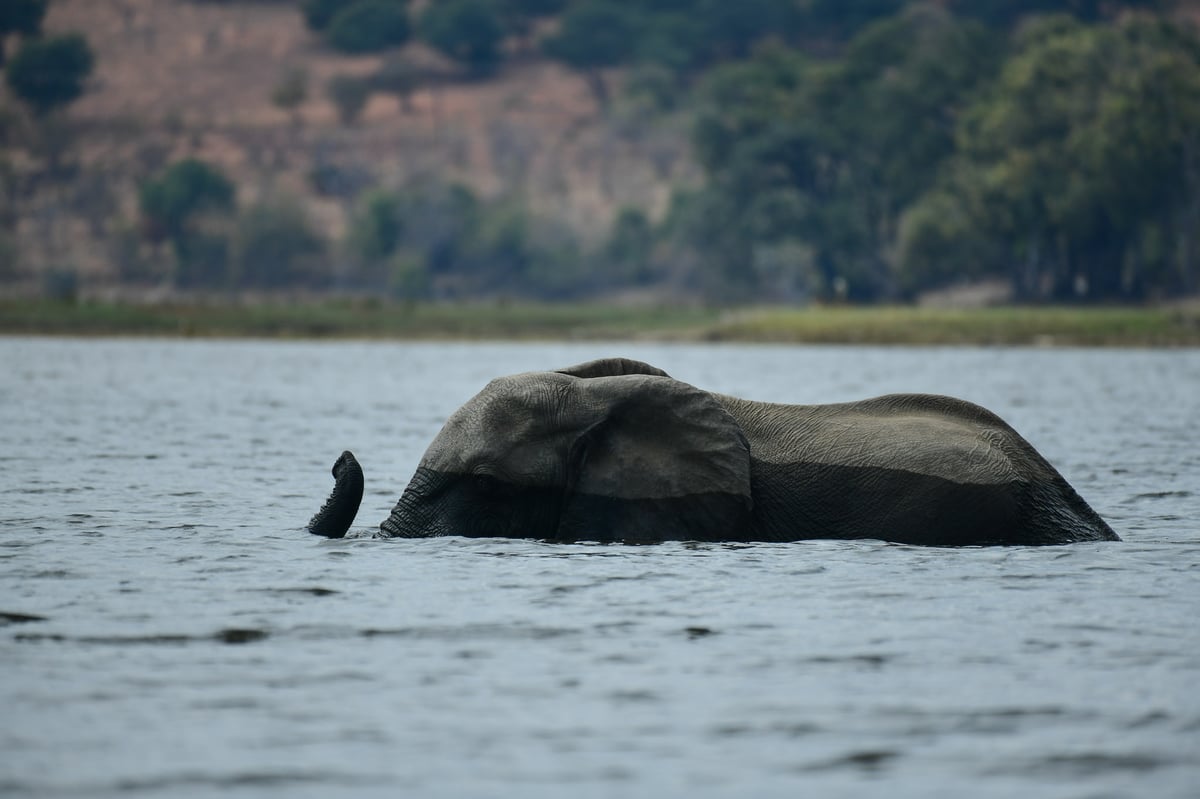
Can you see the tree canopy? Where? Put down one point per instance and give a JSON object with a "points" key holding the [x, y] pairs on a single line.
{"points": [[49, 73], [865, 151], [469, 31], [1080, 166], [184, 189], [593, 35], [369, 26], [20, 16], [1066, 160], [318, 14], [827, 154]]}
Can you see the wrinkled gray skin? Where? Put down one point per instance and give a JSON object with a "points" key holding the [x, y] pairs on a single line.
{"points": [[616, 450]]}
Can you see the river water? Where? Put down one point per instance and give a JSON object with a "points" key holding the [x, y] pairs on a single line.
{"points": [[168, 628]]}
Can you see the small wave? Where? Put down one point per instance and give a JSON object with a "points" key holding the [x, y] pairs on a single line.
{"points": [[315, 590], [613, 578], [1089, 764], [788, 729], [230, 635], [470, 632], [8, 617], [257, 779], [869, 760], [1152, 719], [124, 456], [872, 660], [1154, 495]]}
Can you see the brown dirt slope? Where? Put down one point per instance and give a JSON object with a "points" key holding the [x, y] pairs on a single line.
{"points": [[177, 78]]}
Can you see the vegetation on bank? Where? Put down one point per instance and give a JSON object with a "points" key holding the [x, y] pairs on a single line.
{"points": [[373, 319], [844, 152]]}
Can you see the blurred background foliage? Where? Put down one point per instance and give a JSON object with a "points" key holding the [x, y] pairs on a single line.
{"points": [[865, 151]]}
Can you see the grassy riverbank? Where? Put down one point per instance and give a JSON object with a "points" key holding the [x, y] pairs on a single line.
{"points": [[1140, 327]]}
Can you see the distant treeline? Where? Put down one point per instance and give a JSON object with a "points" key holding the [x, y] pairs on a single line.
{"points": [[1061, 154], [863, 151]]}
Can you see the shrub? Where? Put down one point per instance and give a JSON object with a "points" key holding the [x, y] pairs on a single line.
{"points": [[469, 31], [532, 8], [186, 188], [292, 89], [171, 206], [276, 245], [344, 181], [376, 230], [319, 13], [61, 284], [594, 34], [20, 16], [369, 26], [409, 279], [48, 73], [629, 246], [9, 257], [349, 94], [399, 77], [202, 259], [518, 15]]}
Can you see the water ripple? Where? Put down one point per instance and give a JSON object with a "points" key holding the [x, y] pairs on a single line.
{"points": [[169, 629]]}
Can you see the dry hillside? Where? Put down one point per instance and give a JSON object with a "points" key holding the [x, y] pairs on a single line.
{"points": [[176, 78]]}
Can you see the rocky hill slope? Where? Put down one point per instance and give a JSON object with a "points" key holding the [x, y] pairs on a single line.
{"points": [[175, 79]]}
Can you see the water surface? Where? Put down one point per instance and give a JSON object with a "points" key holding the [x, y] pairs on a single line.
{"points": [[167, 628]]}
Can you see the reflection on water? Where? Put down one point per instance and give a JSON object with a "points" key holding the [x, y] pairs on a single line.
{"points": [[167, 628]]}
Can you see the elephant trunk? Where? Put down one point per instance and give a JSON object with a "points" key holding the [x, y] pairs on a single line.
{"points": [[337, 514], [414, 516]]}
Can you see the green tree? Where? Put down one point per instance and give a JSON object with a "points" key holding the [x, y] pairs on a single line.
{"points": [[318, 14], [1006, 13], [518, 15], [469, 31], [500, 252], [185, 189], [408, 278], [937, 244], [50, 73], [172, 206], [397, 76], [896, 99], [594, 35], [291, 92], [1082, 164], [840, 20], [292, 89], [349, 94], [674, 40], [731, 29], [629, 246], [436, 221], [375, 232], [369, 26], [201, 258], [23, 17], [275, 245], [533, 8], [828, 155]]}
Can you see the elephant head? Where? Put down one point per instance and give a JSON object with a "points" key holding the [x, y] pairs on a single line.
{"points": [[611, 450]]}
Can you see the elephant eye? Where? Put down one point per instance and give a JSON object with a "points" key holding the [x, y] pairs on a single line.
{"points": [[487, 485]]}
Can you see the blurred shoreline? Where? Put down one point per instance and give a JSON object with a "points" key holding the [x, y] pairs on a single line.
{"points": [[1173, 325]]}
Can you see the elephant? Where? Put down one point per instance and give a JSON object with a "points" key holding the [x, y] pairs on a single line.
{"points": [[616, 450]]}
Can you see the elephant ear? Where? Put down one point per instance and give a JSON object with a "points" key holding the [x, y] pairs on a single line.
{"points": [[611, 367], [659, 460]]}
